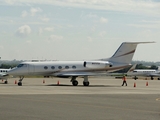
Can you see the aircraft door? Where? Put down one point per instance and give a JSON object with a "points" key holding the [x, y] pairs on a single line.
{"points": [[31, 69]]}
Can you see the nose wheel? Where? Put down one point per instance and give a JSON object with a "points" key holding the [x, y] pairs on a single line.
{"points": [[5, 82], [20, 81]]}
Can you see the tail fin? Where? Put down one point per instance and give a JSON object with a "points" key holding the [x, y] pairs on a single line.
{"points": [[132, 68], [125, 52], [158, 68]]}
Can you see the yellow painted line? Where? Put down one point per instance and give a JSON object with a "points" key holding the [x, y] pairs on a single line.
{"points": [[158, 99]]}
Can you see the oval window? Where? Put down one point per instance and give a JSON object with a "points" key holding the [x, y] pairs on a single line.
{"points": [[45, 67], [53, 67], [74, 67], [67, 67], [60, 67]]}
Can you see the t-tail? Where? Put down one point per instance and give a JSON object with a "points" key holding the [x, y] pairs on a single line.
{"points": [[158, 68], [132, 69], [124, 53]]}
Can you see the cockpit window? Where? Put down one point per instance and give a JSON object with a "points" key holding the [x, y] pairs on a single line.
{"points": [[21, 65]]}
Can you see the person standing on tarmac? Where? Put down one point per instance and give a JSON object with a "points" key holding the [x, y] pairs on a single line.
{"points": [[124, 80]]}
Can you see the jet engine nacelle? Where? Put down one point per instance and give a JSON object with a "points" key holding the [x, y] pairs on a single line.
{"points": [[97, 64]]}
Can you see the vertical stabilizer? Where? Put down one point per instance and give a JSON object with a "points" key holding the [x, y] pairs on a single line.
{"points": [[125, 52], [132, 68], [158, 68]]}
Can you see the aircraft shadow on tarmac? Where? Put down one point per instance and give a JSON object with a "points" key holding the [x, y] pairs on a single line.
{"points": [[66, 85]]}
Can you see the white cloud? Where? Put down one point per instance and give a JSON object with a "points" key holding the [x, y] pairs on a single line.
{"points": [[40, 31], [93, 28], [90, 15], [50, 29], [24, 14], [28, 41], [136, 6], [1, 47], [55, 38], [102, 34], [103, 20], [90, 39], [34, 11], [10, 2], [45, 19], [145, 25], [23, 31]]}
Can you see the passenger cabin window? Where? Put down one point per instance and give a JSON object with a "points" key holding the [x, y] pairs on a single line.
{"points": [[45, 67], [74, 67], [52, 67], [67, 67], [60, 67]]}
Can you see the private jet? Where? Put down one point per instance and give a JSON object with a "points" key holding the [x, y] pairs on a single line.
{"points": [[121, 59], [145, 72], [3, 74]]}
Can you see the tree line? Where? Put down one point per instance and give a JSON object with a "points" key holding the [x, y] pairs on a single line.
{"points": [[7, 66]]}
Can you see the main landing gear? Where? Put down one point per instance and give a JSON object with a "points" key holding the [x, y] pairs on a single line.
{"points": [[152, 78], [86, 82], [135, 77], [5, 82], [75, 82], [20, 81]]}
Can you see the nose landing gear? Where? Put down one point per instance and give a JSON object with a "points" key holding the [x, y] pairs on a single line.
{"points": [[20, 81]]}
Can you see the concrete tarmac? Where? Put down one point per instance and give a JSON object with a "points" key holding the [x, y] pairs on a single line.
{"points": [[104, 99]]}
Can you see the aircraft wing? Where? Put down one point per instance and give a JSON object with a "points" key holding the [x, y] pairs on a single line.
{"points": [[68, 74], [3, 75]]}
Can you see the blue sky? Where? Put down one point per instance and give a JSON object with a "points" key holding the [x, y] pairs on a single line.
{"points": [[77, 29]]}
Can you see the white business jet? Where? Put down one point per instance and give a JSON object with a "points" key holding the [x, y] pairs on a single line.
{"points": [[4, 75], [146, 72], [121, 59]]}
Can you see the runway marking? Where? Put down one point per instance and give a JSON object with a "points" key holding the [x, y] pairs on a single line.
{"points": [[78, 104]]}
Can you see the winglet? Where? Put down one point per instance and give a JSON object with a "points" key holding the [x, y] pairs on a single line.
{"points": [[125, 52]]}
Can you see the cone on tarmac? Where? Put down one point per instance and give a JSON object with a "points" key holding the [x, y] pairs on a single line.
{"points": [[15, 82], [134, 85], [2, 80], [147, 83], [43, 81], [58, 82]]}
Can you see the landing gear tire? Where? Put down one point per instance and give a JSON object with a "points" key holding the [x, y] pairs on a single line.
{"points": [[19, 83], [135, 77], [6, 82], [75, 83], [86, 83], [158, 78], [152, 78]]}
